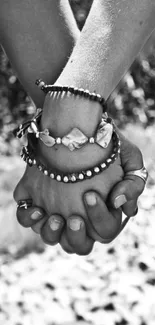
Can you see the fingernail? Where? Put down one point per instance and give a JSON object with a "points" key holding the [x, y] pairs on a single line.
{"points": [[36, 215], [75, 224], [54, 223], [90, 199], [119, 201]]}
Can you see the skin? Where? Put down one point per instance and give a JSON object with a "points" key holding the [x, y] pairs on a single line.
{"points": [[25, 34], [113, 59]]}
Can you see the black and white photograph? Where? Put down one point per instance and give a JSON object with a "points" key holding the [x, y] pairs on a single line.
{"points": [[77, 162]]}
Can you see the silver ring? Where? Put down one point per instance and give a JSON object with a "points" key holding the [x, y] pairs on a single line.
{"points": [[142, 173], [24, 204]]}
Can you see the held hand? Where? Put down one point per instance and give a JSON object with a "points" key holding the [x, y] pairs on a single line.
{"points": [[65, 199], [59, 199], [97, 212], [126, 192], [62, 114], [72, 235], [77, 241]]}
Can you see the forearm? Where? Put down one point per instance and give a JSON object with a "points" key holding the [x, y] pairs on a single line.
{"points": [[113, 35], [38, 37], [111, 38]]}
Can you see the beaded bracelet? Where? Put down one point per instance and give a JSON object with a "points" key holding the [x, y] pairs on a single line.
{"points": [[22, 128], [28, 152], [28, 156], [75, 139], [73, 90]]}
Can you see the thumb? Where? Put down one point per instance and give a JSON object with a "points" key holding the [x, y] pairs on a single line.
{"points": [[106, 222], [125, 195]]}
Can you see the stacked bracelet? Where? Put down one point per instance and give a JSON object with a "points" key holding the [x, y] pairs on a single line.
{"points": [[75, 139], [22, 128], [73, 90], [28, 155]]}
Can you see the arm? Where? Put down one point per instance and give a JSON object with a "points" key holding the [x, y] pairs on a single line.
{"points": [[38, 37], [80, 72], [113, 34], [111, 38]]}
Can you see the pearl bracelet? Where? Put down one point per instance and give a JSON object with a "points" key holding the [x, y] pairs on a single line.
{"points": [[28, 155], [75, 139]]}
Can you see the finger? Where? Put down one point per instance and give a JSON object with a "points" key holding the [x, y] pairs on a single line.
{"points": [[77, 237], [130, 208], [38, 225], [20, 192], [105, 222], [24, 216], [65, 244], [28, 217], [52, 229], [125, 194]]}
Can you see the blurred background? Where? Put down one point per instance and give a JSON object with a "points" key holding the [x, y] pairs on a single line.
{"points": [[115, 284]]}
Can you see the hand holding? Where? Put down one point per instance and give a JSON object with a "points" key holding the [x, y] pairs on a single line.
{"points": [[96, 210], [74, 204]]}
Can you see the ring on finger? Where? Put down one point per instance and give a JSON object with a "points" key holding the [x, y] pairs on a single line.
{"points": [[142, 173], [24, 204]]}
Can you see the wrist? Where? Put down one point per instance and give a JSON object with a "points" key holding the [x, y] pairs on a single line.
{"points": [[60, 116], [63, 111], [66, 161]]}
